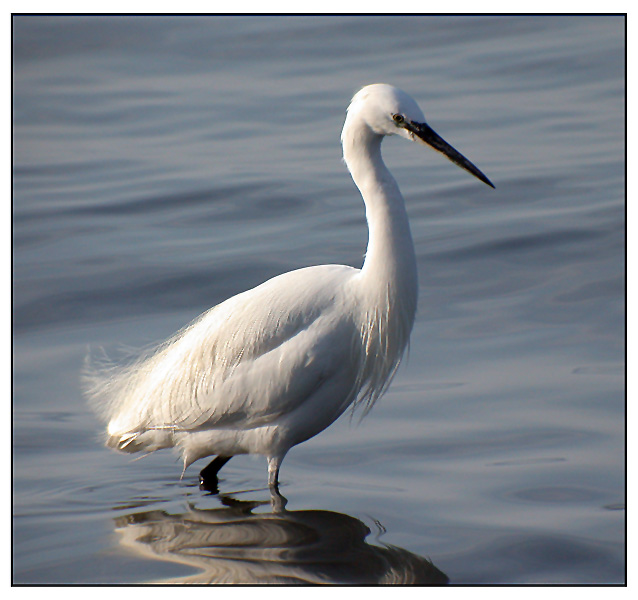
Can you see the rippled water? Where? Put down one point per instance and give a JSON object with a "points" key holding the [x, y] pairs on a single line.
{"points": [[164, 164]]}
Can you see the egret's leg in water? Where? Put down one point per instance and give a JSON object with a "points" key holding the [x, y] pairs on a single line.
{"points": [[274, 462], [208, 475]]}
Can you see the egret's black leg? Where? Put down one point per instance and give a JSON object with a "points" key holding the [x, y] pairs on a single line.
{"points": [[208, 475]]}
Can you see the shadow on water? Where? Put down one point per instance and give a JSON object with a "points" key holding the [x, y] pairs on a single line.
{"points": [[232, 544]]}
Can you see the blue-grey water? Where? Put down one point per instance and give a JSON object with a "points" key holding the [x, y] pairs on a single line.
{"points": [[161, 165]]}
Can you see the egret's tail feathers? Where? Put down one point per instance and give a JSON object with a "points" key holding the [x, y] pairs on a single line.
{"points": [[124, 443], [140, 441], [111, 392], [103, 383]]}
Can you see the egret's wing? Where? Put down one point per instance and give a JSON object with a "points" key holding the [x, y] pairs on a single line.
{"points": [[264, 389], [247, 361]]}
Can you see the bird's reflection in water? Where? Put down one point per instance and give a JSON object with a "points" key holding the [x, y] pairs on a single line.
{"points": [[231, 544]]}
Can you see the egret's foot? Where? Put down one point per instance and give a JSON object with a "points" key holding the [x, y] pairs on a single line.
{"points": [[208, 476], [277, 501]]}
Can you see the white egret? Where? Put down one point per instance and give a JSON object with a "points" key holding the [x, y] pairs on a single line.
{"points": [[274, 366]]}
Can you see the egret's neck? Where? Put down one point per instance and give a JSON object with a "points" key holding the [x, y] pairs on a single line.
{"points": [[390, 257], [387, 290]]}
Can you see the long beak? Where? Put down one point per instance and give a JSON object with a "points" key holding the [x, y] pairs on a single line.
{"points": [[428, 136]]}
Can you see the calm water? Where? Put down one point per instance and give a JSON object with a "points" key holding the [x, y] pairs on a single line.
{"points": [[164, 164]]}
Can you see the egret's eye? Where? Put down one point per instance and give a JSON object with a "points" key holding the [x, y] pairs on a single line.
{"points": [[398, 119]]}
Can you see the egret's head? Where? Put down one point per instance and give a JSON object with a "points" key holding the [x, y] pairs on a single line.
{"points": [[387, 110]]}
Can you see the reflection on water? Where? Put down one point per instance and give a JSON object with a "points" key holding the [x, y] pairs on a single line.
{"points": [[230, 544]]}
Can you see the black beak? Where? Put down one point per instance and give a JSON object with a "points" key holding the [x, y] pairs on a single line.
{"points": [[428, 136]]}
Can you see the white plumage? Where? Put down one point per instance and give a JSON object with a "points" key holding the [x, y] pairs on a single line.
{"points": [[277, 364]]}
